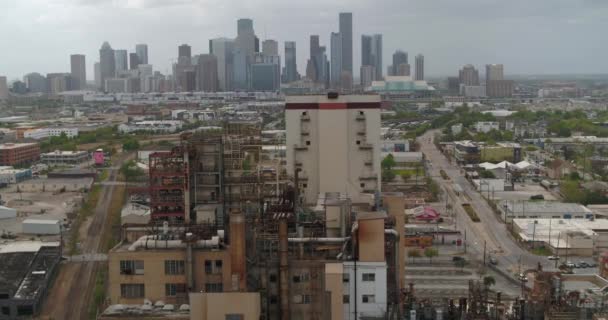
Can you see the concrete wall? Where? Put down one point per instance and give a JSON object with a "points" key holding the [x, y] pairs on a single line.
{"points": [[370, 239], [376, 288], [334, 284], [216, 306]]}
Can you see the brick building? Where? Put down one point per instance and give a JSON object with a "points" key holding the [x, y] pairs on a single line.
{"points": [[18, 153]]}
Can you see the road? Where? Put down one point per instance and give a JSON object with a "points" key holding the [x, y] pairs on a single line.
{"points": [[73, 287], [491, 230]]}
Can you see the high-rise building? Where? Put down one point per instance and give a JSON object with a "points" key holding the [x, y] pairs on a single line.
{"points": [[500, 88], [207, 73], [346, 31], [494, 72], [142, 53], [399, 57], [78, 71], [121, 60], [3, 88], [336, 59], [368, 74], [290, 73], [323, 133], [222, 49], [97, 74], [133, 61], [243, 26], [58, 82], [35, 82], [419, 60], [317, 68], [377, 55], [403, 70], [145, 72], [469, 76], [107, 63], [184, 52], [366, 50], [270, 47]]}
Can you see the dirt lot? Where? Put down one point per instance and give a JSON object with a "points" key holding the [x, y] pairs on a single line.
{"points": [[524, 192]]}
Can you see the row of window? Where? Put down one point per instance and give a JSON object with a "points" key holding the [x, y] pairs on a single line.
{"points": [[364, 276], [366, 298], [138, 290], [307, 299], [172, 267]]}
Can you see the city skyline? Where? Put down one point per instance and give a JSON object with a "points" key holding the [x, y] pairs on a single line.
{"points": [[401, 25]]}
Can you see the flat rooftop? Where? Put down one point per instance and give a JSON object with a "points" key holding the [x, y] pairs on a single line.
{"points": [[9, 146], [533, 207]]}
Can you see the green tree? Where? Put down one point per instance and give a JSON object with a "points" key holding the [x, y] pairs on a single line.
{"points": [[487, 174], [489, 281], [388, 162], [414, 253], [130, 144], [131, 171], [571, 191], [430, 253]]}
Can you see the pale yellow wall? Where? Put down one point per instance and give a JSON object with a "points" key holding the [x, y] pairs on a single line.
{"points": [[333, 284], [215, 306], [370, 238], [154, 277]]}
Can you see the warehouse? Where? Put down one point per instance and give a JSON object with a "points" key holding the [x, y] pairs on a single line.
{"points": [[56, 185], [7, 213], [41, 227], [543, 210], [9, 175], [64, 157]]}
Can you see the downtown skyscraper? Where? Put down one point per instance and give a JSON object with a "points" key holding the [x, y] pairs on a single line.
{"points": [[142, 53], [121, 60], [419, 72], [346, 32], [222, 49], [290, 71], [400, 65], [371, 57], [336, 59], [107, 64], [78, 71]]}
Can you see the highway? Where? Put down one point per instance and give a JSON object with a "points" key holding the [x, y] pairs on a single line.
{"points": [[491, 230]]}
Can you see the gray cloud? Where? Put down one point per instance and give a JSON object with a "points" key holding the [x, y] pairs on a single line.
{"points": [[540, 36]]}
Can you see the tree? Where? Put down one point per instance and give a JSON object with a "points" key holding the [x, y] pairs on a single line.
{"points": [[430, 253], [460, 263], [388, 162], [487, 174], [574, 176], [414, 253], [489, 281], [131, 171], [571, 191], [130, 144], [406, 176]]}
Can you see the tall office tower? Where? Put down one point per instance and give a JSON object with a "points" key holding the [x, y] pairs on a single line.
{"points": [[58, 82], [494, 72], [314, 45], [107, 64], [346, 31], [367, 75], [336, 59], [399, 57], [133, 61], [35, 82], [469, 76], [265, 75], [403, 70], [184, 54], [377, 55], [324, 133], [145, 73], [121, 60], [290, 73], [366, 50], [243, 26], [3, 88], [270, 47], [419, 75], [97, 74], [207, 79], [142, 53], [222, 49], [78, 70], [316, 67]]}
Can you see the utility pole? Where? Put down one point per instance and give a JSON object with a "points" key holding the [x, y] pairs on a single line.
{"points": [[557, 248], [465, 240], [484, 252]]}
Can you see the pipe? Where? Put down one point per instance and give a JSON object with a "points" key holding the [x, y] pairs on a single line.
{"points": [[152, 242], [284, 270], [326, 240], [397, 257], [189, 267]]}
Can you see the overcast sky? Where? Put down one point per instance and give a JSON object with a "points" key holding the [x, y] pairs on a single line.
{"points": [[527, 36]]}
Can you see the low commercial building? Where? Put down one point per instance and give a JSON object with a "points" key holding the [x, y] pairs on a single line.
{"points": [[577, 237], [9, 175], [501, 151], [160, 126], [41, 226], [225, 305], [486, 126], [7, 213], [18, 153], [466, 152], [543, 210], [395, 146], [43, 133], [64, 157], [26, 271], [56, 185]]}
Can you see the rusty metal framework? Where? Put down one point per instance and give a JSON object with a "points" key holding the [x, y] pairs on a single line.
{"points": [[168, 183]]}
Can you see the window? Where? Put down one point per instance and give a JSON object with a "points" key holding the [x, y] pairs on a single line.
{"points": [[304, 113], [131, 267], [273, 278], [214, 287], [134, 290], [304, 185], [25, 310], [173, 267], [369, 298], [362, 185], [369, 277], [358, 142], [273, 299], [6, 311], [208, 267], [173, 289], [360, 113], [345, 298], [345, 277], [218, 266], [301, 299], [307, 142], [234, 316], [301, 277]]}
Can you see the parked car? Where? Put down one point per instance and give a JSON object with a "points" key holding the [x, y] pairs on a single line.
{"points": [[537, 197], [493, 260], [583, 264], [570, 264], [522, 277], [553, 257]]}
